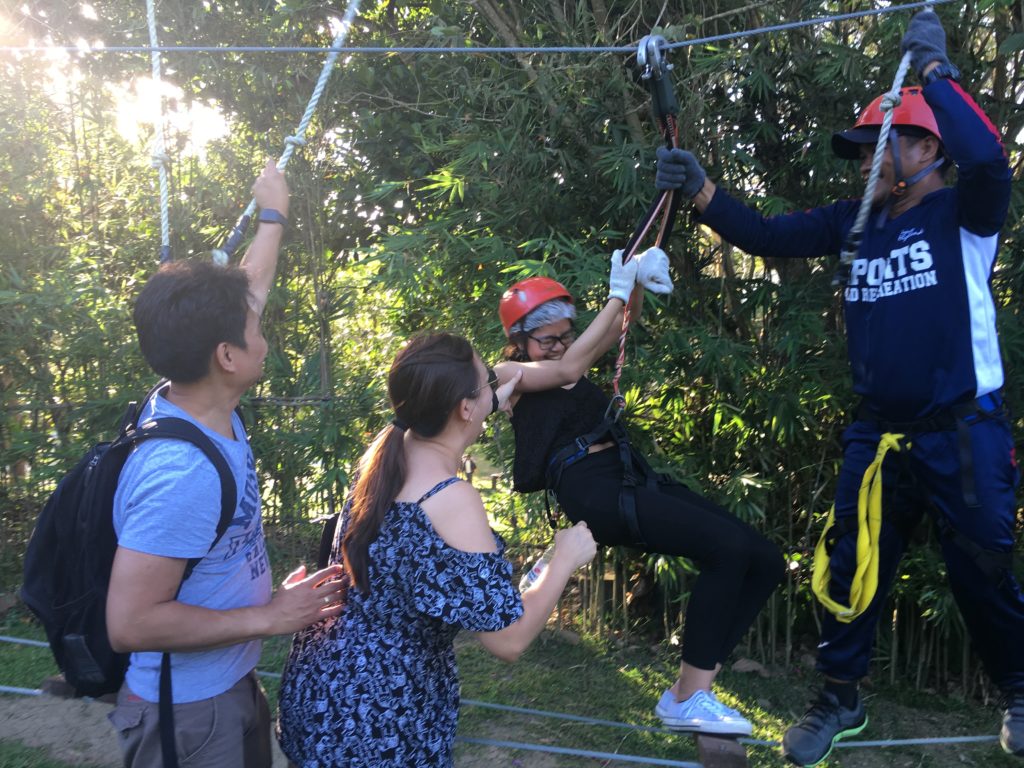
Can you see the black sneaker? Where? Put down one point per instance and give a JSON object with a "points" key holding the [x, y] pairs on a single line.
{"points": [[811, 740], [1011, 737]]}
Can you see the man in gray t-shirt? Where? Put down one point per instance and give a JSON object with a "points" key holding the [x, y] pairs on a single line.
{"points": [[199, 327]]}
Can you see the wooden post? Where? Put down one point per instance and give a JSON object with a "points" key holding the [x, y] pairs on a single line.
{"points": [[720, 752]]}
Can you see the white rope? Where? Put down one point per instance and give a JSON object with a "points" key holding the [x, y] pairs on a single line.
{"points": [[890, 101], [222, 255], [160, 159]]}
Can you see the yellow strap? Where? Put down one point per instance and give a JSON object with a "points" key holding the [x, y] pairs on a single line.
{"points": [[869, 528]]}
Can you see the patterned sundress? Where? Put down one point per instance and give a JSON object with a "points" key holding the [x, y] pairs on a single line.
{"points": [[378, 685]]}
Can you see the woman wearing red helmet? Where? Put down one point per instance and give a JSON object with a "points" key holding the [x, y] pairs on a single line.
{"points": [[565, 444]]}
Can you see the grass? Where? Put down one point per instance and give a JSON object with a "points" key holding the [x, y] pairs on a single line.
{"points": [[16, 756], [622, 684], [602, 680]]}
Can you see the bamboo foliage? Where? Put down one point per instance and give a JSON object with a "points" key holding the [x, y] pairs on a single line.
{"points": [[429, 185]]}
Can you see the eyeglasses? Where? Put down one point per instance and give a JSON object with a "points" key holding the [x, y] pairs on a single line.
{"points": [[546, 343], [492, 382]]}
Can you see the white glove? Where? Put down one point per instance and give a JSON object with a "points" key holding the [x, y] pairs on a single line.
{"points": [[622, 278], [652, 271]]}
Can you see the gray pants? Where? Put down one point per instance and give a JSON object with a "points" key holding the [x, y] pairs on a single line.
{"points": [[231, 730]]}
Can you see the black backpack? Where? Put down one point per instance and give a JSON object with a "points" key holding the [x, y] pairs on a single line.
{"points": [[69, 557]]}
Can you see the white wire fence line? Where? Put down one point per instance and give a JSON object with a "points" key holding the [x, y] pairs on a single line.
{"points": [[472, 50]]}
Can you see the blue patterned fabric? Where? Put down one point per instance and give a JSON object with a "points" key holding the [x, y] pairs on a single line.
{"points": [[378, 685]]}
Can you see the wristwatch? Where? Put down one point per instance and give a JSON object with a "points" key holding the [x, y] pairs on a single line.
{"points": [[270, 216], [944, 70]]}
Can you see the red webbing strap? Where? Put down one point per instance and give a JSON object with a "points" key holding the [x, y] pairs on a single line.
{"points": [[667, 203]]}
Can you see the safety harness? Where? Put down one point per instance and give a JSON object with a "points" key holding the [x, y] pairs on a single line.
{"points": [[636, 471], [994, 564], [869, 529]]}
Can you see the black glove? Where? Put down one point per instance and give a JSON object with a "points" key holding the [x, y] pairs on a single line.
{"points": [[926, 41], [679, 169]]}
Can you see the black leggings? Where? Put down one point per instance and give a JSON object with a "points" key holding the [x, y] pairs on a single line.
{"points": [[739, 568]]}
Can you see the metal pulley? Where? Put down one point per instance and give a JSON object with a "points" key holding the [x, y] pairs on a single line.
{"points": [[654, 66]]}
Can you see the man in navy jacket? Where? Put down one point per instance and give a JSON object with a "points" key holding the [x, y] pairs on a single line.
{"points": [[925, 360]]}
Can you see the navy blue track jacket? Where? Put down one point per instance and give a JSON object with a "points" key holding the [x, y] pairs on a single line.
{"points": [[919, 311]]}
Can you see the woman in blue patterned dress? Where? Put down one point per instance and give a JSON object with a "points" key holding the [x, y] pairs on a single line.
{"points": [[377, 685]]}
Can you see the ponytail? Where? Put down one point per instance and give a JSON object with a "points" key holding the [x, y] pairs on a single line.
{"points": [[428, 378], [381, 476]]}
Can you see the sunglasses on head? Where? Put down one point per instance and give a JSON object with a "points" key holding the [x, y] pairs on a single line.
{"points": [[492, 382]]}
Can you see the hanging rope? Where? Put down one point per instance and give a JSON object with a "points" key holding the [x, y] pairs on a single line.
{"points": [[651, 56], [851, 247], [223, 255], [160, 159]]}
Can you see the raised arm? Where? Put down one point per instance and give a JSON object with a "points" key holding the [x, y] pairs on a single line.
{"points": [[800, 234], [984, 177], [574, 548], [260, 261], [576, 361], [591, 344]]}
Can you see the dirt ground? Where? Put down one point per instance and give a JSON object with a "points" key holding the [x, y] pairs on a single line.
{"points": [[77, 732], [74, 731]]}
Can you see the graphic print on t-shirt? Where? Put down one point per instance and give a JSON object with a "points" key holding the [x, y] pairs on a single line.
{"points": [[242, 534], [907, 268]]}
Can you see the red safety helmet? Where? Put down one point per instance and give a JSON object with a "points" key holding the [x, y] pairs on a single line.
{"points": [[913, 111], [525, 296]]}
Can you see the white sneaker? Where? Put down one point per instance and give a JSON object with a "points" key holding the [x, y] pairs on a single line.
{"points": [[732, 712], [702, 713]]}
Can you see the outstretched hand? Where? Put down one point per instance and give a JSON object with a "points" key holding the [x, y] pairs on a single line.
{"points": [[505, 391], [576, 544], [679, 169], [926, 40], [652, 271], [302, 600], [270, 190]]}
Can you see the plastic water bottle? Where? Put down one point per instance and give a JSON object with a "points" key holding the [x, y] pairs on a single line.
{"points": [[536, 569]]}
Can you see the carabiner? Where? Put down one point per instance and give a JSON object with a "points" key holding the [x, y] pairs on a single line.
{"points": [[650, 55], [615, 408]]}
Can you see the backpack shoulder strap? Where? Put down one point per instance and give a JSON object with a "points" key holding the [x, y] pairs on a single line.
{"points": [[179, 429], [135, 407]]}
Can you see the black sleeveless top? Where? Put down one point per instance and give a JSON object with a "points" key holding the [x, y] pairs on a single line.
{"points": [[547, 421]]}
